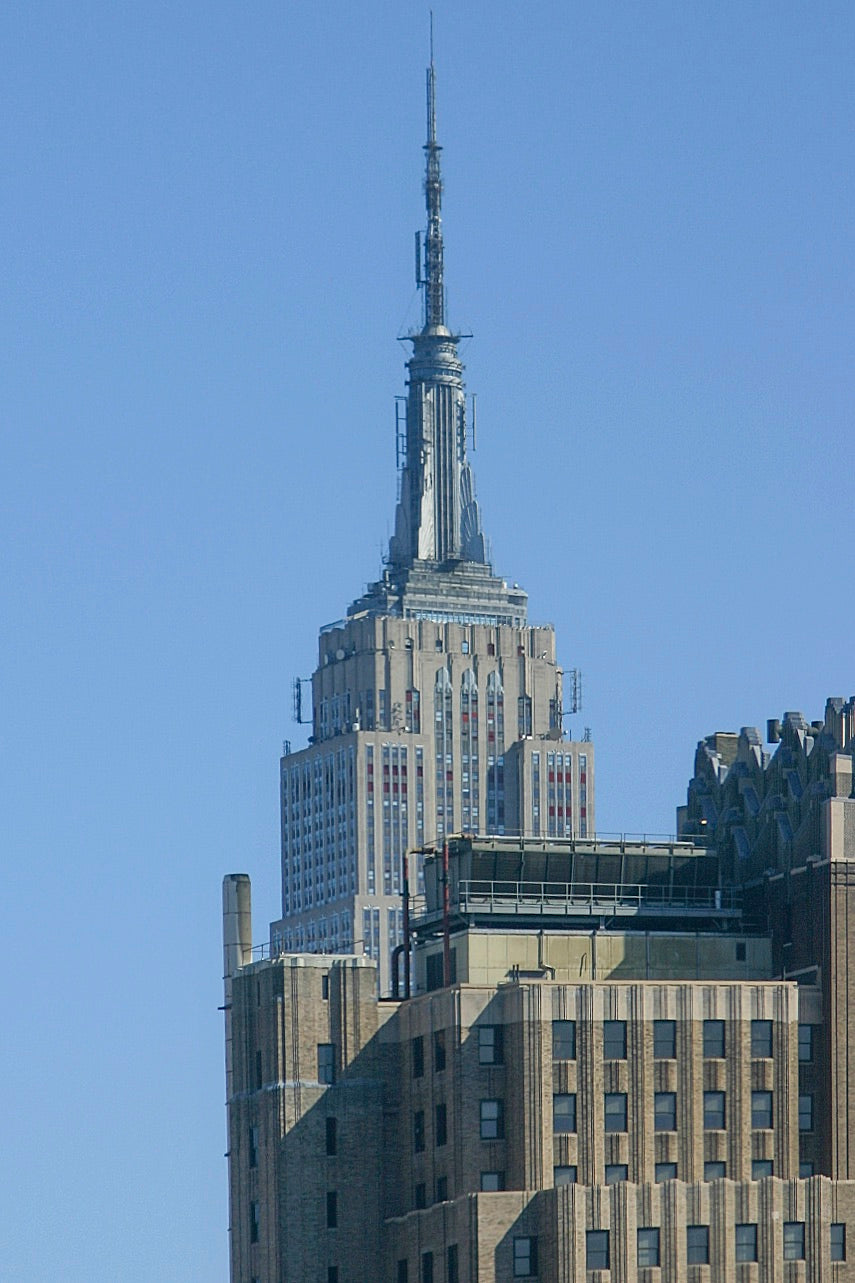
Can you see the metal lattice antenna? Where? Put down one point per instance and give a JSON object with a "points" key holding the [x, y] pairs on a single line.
{"points": [[433, 276]]}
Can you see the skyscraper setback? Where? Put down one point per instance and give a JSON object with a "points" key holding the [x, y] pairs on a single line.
{"points": [[436, 707]]}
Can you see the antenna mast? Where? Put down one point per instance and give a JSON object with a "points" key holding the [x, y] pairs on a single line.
{"points": [[433, 274]]}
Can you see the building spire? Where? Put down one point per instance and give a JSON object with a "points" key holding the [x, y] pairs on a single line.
{"points": [[434, 286]]}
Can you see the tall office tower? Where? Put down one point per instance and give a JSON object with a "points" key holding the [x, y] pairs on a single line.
{"points": [[436, 708]]}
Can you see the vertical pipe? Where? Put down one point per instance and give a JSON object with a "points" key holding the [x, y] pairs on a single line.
{"points": [[446, 929], [406, 895]]}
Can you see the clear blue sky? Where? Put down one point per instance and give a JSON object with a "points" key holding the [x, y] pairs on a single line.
{"points": [[207, 219]]}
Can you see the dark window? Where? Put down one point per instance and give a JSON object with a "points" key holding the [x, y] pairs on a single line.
{"points": [[615, 1173], [254, 1222], [805, 1042], [838, 1241], [564, 1040], [326, 1062], [441, 1125], [332, 1274], [525, 1257], [647, 1247], [332, 1136], [325, 993], [615, 1111], [665, 1111], [713, 1171], [761, 1040], [714, 1039], [740, 951], [746, 1242], [664, 1040], [714, 1111], [419, 1130], [253, 1146], [564, 1175], [427, 1267], [564, 1113], [761, 1109], [259, 1073], [614, 1041], [794, 1240], [805, 1170], [698, 1244], [805, 1113], [441, 1189], [439, 1050], [492, 1120], [420, 1195], [597, 1250], [761, 1167], [491, 1182], [490, 1045], [452, 1268], [418, 1057], [332, 1209], [403, 1271], [665, 1172]]}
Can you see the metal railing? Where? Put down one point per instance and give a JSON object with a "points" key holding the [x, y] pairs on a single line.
{"points": [[592, 897]]}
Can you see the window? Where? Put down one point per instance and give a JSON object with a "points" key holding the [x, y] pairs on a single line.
{"points": [[525, 1257], [439, 1051], [403, 1271], [746, 1242], [714, 1119], [332, 1274], [698, 1244], [761, 1167], [564, 1040], [420, 1196], [665, 1172], [794, 1240], [441, 1125], [332, 1209], [805, 1170], [838, 1242], [614, 1040], [254, 1221], [713, 1171], [325, 991], [664, 1040], [326, 1062], [441, 1189], [332, 1137], [492, 1182], [714, 1039], [418, 1057], [427, 1267], [564, 1175], [492, 1120], [615, 1173], [564, 1113], [665, 1111], [490, 1045], [597, 1250], [761, 1042], [761, 1109], [452, 1267], [615, 1111], [419, 1131], [805, 1113], [647, 1247], [253, 1146], [259, 1072], [805, 1042]]}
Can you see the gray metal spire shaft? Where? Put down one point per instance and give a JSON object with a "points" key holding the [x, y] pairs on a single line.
{"points": [[433, 278]]}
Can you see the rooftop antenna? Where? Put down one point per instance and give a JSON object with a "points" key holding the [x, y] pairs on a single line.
{"points": [[432, 278]]}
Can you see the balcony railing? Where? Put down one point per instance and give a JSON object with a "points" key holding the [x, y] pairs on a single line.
{"points": [[593, 898]]}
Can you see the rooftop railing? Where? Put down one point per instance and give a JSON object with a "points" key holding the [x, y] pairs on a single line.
{"points": [[592, 898]]}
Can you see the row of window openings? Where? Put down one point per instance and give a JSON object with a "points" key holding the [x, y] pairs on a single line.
{"points": [[665, 1111], [615, 1173], [598, 1253], [665, 1040], [426, 1268]]}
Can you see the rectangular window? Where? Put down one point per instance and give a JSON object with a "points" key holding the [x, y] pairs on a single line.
{"points": [[564, 1176], [597, 1250], [564, 1113], [420, 1195], [805, 1042], [452, 1266], [805, 1113], [564, 1040], [332, 1209], [419, 1131], [805, 1170], [490, 1045], [838, 1241], [427, 1267], [439, 1051], [794, 1240], [441, 1125], [665, 1172], [664, 1039], [492, 1182], [253, 1146], [418, 1057], [254, 1222], [326, 1062], [746, 1242], [698, 1244], [615, 1111], [714, 1171], [665, 1111], [492, 1120], [525, 1257], [441, 1189], [615, 1173], [332, 1274], [761, 1040], [332, 1137], [714, 1039], [714, 1111], [761, 1109], [614, 1040], [647, 1247], [403, 1271], [761, 1167], [259, 1072]]}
